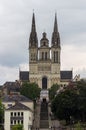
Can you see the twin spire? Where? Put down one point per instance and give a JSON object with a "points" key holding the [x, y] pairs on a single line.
{"points": [[55, 24], [33, 24], [33, 40]]}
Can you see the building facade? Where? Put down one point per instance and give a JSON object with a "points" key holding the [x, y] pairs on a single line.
{"points": [[44, 60], [18, 114]]}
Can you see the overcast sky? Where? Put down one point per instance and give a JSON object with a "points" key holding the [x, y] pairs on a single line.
{"points": [[15, 27]]}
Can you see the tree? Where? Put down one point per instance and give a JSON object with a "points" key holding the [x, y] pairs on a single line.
{"points": [[30, 90], [1, 112], [17, 127], [53, 90], [64, 105], [78, 126], [81, 88]]}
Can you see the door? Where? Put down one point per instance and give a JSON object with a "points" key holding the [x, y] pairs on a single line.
{"points": [[44, 83]]}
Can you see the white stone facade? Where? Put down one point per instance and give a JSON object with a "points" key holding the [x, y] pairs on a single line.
{"points": [[25, 118]]}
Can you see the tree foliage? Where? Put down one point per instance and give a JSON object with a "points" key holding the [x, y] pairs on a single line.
{"points": [[30, 90], [1, 112], [71, 103], [17, 127], [53, 90], [64, 105]]}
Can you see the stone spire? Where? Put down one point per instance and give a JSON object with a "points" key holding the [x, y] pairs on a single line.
{"points": [[55, 34], [33, 40], [55, 24]]}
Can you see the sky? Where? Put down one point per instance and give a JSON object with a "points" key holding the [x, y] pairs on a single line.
{"points": [[15, 28]]}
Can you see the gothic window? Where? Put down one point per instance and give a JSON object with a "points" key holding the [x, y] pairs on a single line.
{"points": [[42, 55], [45, 55], [56, 56]]}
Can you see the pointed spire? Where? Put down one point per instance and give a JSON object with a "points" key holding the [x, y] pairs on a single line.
{"points": [[33, 40], [33, 23], [55, 34], [55, 24]]}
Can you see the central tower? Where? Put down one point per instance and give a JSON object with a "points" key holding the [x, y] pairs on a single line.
{"points": [[43, 69]]}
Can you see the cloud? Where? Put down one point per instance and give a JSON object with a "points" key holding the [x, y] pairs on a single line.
{"points": [[8, 74], [15, 27]]}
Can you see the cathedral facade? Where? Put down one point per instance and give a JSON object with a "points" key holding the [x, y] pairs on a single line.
{"points": [[44, 60]]}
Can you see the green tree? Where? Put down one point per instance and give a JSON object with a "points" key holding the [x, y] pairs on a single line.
{"points": [[30, 90], [17, 127], [64, 105], [81, 89], [1, 112], [78, 126], [53, 90]]}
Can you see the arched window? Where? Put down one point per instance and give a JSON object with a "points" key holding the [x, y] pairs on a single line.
{"points": [[42, 55], [45, 55], [56, 57]]}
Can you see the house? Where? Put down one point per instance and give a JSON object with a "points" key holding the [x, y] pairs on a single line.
{"points": [[9, 87], [18, 114], [9, 100]]}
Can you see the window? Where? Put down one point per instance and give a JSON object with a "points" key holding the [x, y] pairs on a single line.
{"points": [[54, 56], [45, 55], [21, 121], [11, 113], [42, 55], [21, 113], [14, 113], [57, 56], [11, 122], [18, 113], [14, 121]]}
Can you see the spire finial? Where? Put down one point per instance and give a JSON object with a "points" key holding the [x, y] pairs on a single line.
{"points": [[33, 23]]}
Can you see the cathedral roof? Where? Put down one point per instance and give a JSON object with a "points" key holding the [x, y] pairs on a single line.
{"points": [[66, 75], [24, 75]]}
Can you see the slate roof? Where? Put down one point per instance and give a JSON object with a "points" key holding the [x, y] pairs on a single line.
{"points": [[66, 75], [16, 97], [19, 106], [12, 86], [24, 75]]}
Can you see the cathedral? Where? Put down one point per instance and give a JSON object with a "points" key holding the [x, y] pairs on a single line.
{"points": [[44, 60]]}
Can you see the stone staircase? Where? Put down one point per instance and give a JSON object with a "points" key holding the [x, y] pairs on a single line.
{"points": [[44, 122]]}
